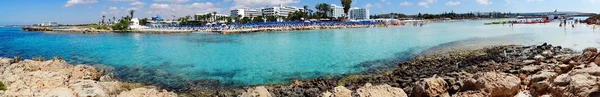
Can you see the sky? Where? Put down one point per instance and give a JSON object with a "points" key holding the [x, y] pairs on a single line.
{"points": [[23, 12]]}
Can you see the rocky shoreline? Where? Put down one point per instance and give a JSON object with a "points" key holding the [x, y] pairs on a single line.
{"points": [[57, 78], [500, 71]]}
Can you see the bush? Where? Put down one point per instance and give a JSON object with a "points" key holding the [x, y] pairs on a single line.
{"points": [[2, 86], [122, 25]]}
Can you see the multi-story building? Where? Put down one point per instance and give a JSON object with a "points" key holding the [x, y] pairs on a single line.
{"points": [[359, 14], [337, 11], [278, 11], [245, 12]]}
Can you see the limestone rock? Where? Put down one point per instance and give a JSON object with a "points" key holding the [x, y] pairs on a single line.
{"points": [[531, 69], [471, 94], [430, 87], [380, 91], [259, 91], [523, 94], [144, 92], [498, 84], [88, 88], [342, 91], [327, 94]]}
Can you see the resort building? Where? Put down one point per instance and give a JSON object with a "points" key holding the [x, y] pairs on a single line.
{"points": [[337, 11], [279, 11], [48, 24], [359, 14], [216, 18], [246, 12]]}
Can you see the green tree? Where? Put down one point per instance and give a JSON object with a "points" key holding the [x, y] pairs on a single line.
{"points": [[122, 25], [246, 20], [324, 9], [258, 19], [144, 21], [347, 4], [271, 18]]}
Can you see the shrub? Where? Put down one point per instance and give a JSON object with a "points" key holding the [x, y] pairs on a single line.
{"points": [[100, 27], [2, 86], [122, 25]]}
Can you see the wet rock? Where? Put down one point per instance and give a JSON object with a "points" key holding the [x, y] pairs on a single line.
{"points": [[380, 91], [259, 91], [431, 87], [342, 91], [498, 84]]}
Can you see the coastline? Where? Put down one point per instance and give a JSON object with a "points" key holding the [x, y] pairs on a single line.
{"points": [[513, 69]]}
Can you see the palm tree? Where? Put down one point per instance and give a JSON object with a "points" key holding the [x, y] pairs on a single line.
{"points": [[347, 5], [131, 12], [103, 16], [215, 16], [324, 9]]}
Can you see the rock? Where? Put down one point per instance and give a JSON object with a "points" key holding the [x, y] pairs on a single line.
{"points": [[527, 62], [541, 76], [577, 83], [589, 54], [259, 91], [327, 94], [143, 92], [523, 94], [539, 57], [430, 87], [498, 84], [341, 91], [472, 94], [88, 88], [380, 91], [531, 69], [547, 53], [55, 78], [60, 92]]}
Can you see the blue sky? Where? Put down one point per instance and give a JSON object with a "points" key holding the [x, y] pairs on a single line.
{"points": [[90, 11]]}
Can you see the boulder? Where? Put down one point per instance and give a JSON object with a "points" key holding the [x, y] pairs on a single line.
{"points": [[380, 91], [431, 87], [60, 92], [259, 91], [531, 69], [327, 94], [341, 91], [583, 82], [472, 94], [523, 94], [498, 84]]}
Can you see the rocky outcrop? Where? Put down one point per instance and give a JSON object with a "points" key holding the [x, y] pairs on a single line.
{"points": [[57, 78], [380, 91], [431, 87], [259, 91]]}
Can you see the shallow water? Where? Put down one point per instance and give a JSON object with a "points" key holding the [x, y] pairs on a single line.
{"points": [[265, 58]]}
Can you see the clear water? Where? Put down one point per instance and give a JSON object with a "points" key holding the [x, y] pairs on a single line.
{"points": [[265, 58]]}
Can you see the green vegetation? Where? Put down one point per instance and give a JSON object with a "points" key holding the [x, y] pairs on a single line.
{"points": [[2, 86], [122, 25], [100, 27], [324, 10], [40, 58], [347, 4], [18, 59]]}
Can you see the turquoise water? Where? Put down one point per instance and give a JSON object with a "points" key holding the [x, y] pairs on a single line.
{"points": [[265, 58]]}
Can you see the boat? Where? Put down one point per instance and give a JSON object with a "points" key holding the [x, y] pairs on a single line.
{"points": [[498, 22]]}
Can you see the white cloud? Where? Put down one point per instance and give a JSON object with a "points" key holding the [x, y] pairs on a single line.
{"points": [[137, 3], [425, 3], [452, 3], [75, 2], [484, 2], [368, 6], [389, 3], [172, 1], [182, 9], [256, 3], [406, 3], [123, 0]]}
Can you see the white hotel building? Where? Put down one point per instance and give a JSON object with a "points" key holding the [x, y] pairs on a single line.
{"points": [[359, 14], [337, 12], [279, 11]]}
